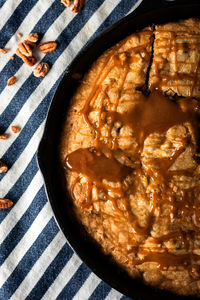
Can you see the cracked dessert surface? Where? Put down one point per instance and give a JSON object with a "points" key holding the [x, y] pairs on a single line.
{"points": [[131, 158]]}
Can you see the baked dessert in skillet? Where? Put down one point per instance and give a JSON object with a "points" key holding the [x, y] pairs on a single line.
{"points": [[130, 148]]}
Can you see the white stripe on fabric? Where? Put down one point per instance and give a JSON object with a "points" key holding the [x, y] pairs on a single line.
{"points": [[87, 288], [7, 10], [39, 267], [26, 242], [63, 278], [32, 18], [21, 163], [113, 295], [21, 206]]}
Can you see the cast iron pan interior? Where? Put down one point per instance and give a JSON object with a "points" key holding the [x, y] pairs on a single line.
{"points": [[149, 12]]}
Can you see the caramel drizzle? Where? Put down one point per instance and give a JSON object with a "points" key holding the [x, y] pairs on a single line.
{"points": [[91, 167]]}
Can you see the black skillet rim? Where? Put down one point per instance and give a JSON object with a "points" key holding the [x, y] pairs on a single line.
{"points": [[149, 12]]}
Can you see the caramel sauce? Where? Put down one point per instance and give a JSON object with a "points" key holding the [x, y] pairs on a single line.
{"points": [[155, 113], [96, 167], [166, 259]]}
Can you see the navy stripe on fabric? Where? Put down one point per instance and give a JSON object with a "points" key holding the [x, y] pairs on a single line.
{"points": [[2, 3], [21, 185], [41, 27], [29, 259], [16, 19], [118, 13], [100, 292], [21, 227], [75, 283], [51, 273]]}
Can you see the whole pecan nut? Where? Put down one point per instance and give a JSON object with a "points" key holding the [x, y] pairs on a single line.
{"points": [[12, 80], [5, 203], [48, 47], [30, 61], [15, 129], [41, 70], [32, 37], [25, 49], [3, 167]]}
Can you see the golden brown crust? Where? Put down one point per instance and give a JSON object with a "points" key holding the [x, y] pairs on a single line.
{"points": [[117, 88]]}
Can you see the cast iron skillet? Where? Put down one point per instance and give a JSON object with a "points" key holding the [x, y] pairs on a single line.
{"points": [[149, 12]]}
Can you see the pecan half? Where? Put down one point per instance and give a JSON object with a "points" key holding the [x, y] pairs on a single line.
{"points": [[4, 51], [12, 80], [25, 49], [30, 61], [31, 44], [48, 47], [67, 2], [5, 203], [15, 129], [3, 167], [32, 37], [78, 5], [3, 136], [41, 70]]}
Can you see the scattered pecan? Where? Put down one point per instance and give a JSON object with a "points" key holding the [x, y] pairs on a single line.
{"points": [[48, 47], [67, 2], [41, 70], [25, 49], [3, 167], [3, 136], [32, 37], [15, 129], [30, 61], [78, 5], [12, 80], [5, 203], [4, 51]]}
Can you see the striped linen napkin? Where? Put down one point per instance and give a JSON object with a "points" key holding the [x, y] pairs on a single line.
{"points": [[36, 260]]}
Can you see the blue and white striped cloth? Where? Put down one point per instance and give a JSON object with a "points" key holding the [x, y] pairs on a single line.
{"points": [[36, 261]]}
